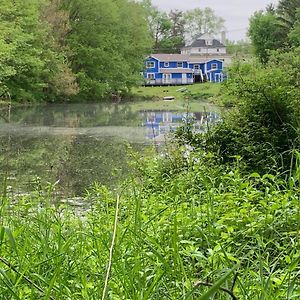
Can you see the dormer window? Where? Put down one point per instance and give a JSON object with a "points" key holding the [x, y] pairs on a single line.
{"points": [[209, 42], [166, 64], [196, 67], [214, 66], [180, 65]]}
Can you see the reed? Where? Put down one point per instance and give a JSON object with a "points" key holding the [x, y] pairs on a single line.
{"points": [[203, 230]]}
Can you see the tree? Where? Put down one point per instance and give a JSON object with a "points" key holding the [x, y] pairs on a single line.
{"points": [[263, 128], [177, 29], [108, 42], [294, 34], [265, 34], [287, 13], [199, 21], [33, 68], [276, 28], [240, 48], [159, 25]]}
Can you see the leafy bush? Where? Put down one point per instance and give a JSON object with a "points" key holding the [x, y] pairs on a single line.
{"points": [[263, 128], [175, 233]]}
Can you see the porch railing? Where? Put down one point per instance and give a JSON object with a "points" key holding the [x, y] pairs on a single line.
{"points": [[173, 81]]}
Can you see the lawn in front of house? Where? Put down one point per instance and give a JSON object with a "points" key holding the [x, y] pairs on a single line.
{"points": [[189, 97]]}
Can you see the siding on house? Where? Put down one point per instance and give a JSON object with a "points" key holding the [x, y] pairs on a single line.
{"points": [[178, 69]]}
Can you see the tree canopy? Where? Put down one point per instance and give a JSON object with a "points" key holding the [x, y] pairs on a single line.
{"points": [[275, 28], [66, 49], [170, 31]]}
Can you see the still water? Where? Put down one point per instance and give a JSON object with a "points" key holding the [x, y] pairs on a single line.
{"points": [[76, 145]]}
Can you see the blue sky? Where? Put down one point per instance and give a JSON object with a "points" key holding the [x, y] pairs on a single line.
{"points": [[235, 12]]}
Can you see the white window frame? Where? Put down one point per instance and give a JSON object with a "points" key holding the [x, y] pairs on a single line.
{"points": [[198, 67], [166, 64], [150, 64], [151, 76], [214, 66], [209, 42], [180, 62]]}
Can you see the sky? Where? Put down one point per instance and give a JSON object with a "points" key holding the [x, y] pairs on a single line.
{"points": [[235, 12]]}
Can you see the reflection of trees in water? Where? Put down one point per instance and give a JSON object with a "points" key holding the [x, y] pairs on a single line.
{"points": [[76, 115], [76, 161], [91, 160], [30, 157]]}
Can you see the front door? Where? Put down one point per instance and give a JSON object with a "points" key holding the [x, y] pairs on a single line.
{"points": [[167, 78], [217, 77], [184, 78]]}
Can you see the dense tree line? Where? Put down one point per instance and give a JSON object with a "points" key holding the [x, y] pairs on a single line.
{"points": [[70, 49], [170, 31], [275, 28]]}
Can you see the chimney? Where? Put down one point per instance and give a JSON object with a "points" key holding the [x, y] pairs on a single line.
{"points": [[223, 37]]}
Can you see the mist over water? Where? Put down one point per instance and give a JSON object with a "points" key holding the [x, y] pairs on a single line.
{"points": [[76, 145]]}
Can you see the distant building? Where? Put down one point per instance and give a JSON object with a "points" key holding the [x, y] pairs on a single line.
{"points": [[207, 47], [203, 60]]}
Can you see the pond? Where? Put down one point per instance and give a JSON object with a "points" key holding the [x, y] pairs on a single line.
{"points": [[75, 145]]}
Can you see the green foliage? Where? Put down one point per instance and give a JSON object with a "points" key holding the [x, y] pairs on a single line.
{"points": [[294, 34], [175, 228], [265, 34], [199, 21], [30, 65], [55, 49], [167, 30], [108, 42], [287, 13], [263, 128], [239, 49], [275, 28], [171, 30]]}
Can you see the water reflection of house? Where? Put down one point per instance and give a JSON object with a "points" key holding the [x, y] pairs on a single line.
{"points": [[159, 123]]}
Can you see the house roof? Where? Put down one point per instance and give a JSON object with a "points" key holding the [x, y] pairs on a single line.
{"points": [[181, 71], [202, 60], [201, 43], [171, 57]]}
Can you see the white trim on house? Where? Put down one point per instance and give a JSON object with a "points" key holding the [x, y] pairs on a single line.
{"points": [[151, 76], [166, 64], [167, 78], [180, 62], [150, 64]]}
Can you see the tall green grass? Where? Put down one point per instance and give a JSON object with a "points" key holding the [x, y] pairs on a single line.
{"points": [[185, 229]]}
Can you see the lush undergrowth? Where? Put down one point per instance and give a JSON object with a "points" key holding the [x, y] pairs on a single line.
{"points": [[182, 226], [201, 222]]}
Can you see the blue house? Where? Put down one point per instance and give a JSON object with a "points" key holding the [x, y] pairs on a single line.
{"points": [[180, 69]]}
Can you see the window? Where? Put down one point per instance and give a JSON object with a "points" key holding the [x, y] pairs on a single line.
{"points": [[209, 42], [218, 50], [151, 76], [166, 64], [150, 64], [180, 65], [199, 49], [214, 66], [196, 67]]}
